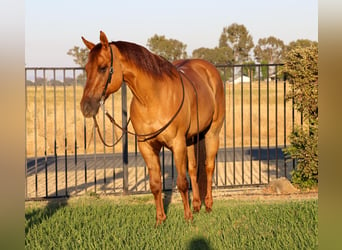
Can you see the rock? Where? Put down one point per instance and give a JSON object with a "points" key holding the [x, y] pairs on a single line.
{"points": [[281, 186]]}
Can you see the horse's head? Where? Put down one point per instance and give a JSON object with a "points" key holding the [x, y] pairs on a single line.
{"points": [[104, 75]]}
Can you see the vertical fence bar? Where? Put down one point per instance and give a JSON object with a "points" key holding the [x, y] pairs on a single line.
{"points": [[65, 138], [45, 139], [124, 138], [135, 161], [173, 170], [26, 191], [85, 153], [75, 129], [113, 148], [259, 122], [104, 150], [268, 125], [35, 134], [145, 174], [216, 172], [250, 123], [163, 166], [276, 120], [85, 166], [225, 125], [293, 121], [285, 161], [55, 130], [242, 144], [234, 156], [95, 160]]}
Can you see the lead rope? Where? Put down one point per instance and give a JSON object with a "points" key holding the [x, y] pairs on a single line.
{"points": [[100, 135]]}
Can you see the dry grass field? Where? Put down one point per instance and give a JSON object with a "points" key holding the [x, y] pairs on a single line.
{"points": [[61, 120]]}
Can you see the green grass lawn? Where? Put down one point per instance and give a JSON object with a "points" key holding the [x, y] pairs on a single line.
{"points": [[98, 223]]}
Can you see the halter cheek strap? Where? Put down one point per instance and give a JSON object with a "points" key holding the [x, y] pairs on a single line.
{"points": [[111, 71]]}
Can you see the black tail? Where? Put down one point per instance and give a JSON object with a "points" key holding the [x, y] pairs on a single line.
{"points": [[201, 172]]}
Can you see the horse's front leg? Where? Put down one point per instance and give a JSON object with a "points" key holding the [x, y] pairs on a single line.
{"points": [[180, 155], [150, 153]]}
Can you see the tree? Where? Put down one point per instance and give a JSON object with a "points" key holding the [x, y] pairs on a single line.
{"points": [[237, 37], [170, 49], [264, 70], [301, 68], [216, 55], [80, 55], [303, 43], [81, 58], [249, 69], [269, 49]]}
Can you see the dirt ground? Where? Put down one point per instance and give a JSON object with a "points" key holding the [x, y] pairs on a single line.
{"points": [[263, 195], [256, 194], [278, 190]]}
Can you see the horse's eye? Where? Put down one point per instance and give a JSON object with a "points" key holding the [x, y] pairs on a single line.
{"points": [[103, 69]]}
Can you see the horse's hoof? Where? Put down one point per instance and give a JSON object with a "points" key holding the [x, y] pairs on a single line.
{"points": [[196, 210], [160, 220], [196, 206], [188, 217], [208, 204]]}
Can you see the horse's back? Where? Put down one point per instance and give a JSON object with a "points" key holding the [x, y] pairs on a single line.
{"points": [[209, 74], [204, 69]]}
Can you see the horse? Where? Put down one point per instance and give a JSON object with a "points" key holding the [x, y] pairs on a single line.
{"points": [[172, 103]]}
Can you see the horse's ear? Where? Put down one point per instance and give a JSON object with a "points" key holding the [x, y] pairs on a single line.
{"points": [[89, 45], [103, 39]]}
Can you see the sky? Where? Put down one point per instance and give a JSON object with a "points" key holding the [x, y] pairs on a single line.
{"points": [[53, 27]]}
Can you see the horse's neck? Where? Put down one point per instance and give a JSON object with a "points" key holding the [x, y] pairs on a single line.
{"points": [[144, 88]]}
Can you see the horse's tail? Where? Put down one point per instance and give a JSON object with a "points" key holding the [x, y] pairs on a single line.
{"points": [[201, 172]]}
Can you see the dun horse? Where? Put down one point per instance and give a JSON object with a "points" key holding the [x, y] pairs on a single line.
{"points": [[171, 104]]}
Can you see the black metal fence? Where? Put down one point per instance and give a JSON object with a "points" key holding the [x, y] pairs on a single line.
{"points": [[65, 157]]}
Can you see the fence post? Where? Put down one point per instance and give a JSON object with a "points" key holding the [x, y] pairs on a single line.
{"points": [[124, 138]]}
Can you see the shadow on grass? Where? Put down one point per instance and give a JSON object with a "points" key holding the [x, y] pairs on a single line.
{"points": [[38, 215], [167, 200], [199, 243]]}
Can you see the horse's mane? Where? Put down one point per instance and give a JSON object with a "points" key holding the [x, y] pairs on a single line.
{"points": [[152, 64]]}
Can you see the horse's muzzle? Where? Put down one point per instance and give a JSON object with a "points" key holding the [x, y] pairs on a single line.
{"points": [[89, 106]]}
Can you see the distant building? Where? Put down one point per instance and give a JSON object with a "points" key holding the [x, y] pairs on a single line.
{"points": [[245, 79]]}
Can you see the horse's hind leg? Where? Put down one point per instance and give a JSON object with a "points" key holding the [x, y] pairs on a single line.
{"points": [[180, 155], [150, 154], [211, 145], [192, 169]]}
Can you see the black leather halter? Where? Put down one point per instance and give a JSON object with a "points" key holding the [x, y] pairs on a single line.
{"points": [[111, 71]]}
